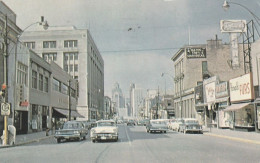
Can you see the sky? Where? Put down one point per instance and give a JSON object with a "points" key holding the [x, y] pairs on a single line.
{"points": [[137, 38]]}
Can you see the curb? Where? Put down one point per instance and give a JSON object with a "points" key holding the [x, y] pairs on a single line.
{"points": [[234, 138], [27, 142]]}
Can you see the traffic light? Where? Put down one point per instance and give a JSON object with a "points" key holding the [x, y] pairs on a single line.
{"points": [[2, 92]]}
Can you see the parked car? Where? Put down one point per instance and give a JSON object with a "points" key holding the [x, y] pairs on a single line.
{"points": [[156, 126], [176, 124], [130, 122], [170, 124], [141, 122], [105, 130], [190, 125], [71, 130]]}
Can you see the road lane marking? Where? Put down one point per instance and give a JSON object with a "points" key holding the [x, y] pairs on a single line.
{"points": [[234, 138], [129, 140]]}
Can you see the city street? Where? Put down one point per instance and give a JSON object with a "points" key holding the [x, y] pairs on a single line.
{"points": [[136, 145]]}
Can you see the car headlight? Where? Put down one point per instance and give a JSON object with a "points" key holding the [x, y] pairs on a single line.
{"points": [[76, 132], [57, 132], [93, 131]]}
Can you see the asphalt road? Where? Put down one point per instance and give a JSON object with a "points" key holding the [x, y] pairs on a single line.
{"points": [[135, 145]]}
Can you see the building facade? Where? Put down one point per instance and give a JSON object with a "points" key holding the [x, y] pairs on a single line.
{"points": [[76, 52], [195, 63]]}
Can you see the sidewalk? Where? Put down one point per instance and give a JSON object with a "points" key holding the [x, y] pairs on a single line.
{"points": [[29, 138], [242, 136]]}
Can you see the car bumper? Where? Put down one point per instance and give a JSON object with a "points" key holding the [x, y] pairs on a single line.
{"points": [[193, 130], [75, 136], [104, 137], [155, 129]]}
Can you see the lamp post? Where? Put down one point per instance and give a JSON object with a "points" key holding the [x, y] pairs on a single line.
{"points": [[226, 6]]}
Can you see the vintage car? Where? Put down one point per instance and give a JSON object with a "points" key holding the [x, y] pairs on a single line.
{"points": [[176, 124], [190, 125], [130, 122], [71, 130], [170, 124], [157, 125], [105, 130]]}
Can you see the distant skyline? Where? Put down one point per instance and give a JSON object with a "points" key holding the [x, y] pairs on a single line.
{"points": [[137, 38]]}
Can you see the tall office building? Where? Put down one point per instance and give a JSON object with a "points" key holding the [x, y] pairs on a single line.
{"points": [[136, 98], [76, 52]]}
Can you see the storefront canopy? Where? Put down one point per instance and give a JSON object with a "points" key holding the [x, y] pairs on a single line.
{"points": [[235, 107], [66, 112]]}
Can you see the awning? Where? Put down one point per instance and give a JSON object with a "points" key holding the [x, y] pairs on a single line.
{"points": [[66, 112], [234, 107]]}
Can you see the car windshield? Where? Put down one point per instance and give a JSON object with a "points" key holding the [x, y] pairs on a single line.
{"points": [[192, 121], [158, 122], [105, 124], [71, 126]]}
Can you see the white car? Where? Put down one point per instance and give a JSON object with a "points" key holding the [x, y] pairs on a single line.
{"points": [[105, 130], [176, 124]]}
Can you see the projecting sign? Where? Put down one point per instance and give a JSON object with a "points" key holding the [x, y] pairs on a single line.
{"points": [[241, 88], [196, 52], [5, 109], [237, 26]]}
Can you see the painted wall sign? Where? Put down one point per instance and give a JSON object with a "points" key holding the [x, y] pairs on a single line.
{"points": [[195, 52], [241, 88]]}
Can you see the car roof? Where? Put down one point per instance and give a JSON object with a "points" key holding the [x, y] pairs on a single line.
{"points": [[106, 121]]}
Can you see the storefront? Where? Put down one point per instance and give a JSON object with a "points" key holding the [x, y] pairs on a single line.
{"points": [[224, 119], [242, 105]]}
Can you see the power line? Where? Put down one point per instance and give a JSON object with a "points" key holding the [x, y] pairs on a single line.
{"points": [[136, 50]]}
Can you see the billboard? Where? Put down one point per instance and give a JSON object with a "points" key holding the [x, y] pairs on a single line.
{"points": [[241, 88], [230, 26]]}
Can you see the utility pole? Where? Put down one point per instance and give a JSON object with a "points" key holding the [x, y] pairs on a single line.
{"points": [[157, 104], [69, 102], [5, 96]]}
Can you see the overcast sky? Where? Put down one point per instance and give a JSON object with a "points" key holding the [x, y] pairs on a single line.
{"points": [[137, 38]]}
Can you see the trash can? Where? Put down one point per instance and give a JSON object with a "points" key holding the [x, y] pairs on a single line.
{"points": [[11, 135]]}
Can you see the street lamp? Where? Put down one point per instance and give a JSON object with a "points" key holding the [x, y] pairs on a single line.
{"points": [[226, 6], [165, 80]]}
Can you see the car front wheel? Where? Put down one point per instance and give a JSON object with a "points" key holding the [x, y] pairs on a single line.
{"points": [[58, 140]]}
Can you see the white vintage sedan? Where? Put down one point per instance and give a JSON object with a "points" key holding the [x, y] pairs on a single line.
{"points": [[105, 130]]}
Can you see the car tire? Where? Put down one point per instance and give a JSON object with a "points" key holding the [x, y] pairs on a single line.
{"points": [[84, 137], [58, 140], [93, 141], [164, 131]]}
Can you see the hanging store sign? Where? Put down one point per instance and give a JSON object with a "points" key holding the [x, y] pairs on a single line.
{"points": [[241, 88], [210, 92], [237, 26], [195, 52], [222, 89]]}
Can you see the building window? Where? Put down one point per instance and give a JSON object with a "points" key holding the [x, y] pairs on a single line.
{"points": [[71, 68], [46, 84], [65, 67], [34, 79], [76, 77], [41, 82], [75, 68], [30, 45], [49, 56], [70, 43], [64, 89], [56, 85], [75, 56], [49, 44], [70, 56], [22, 74]]}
